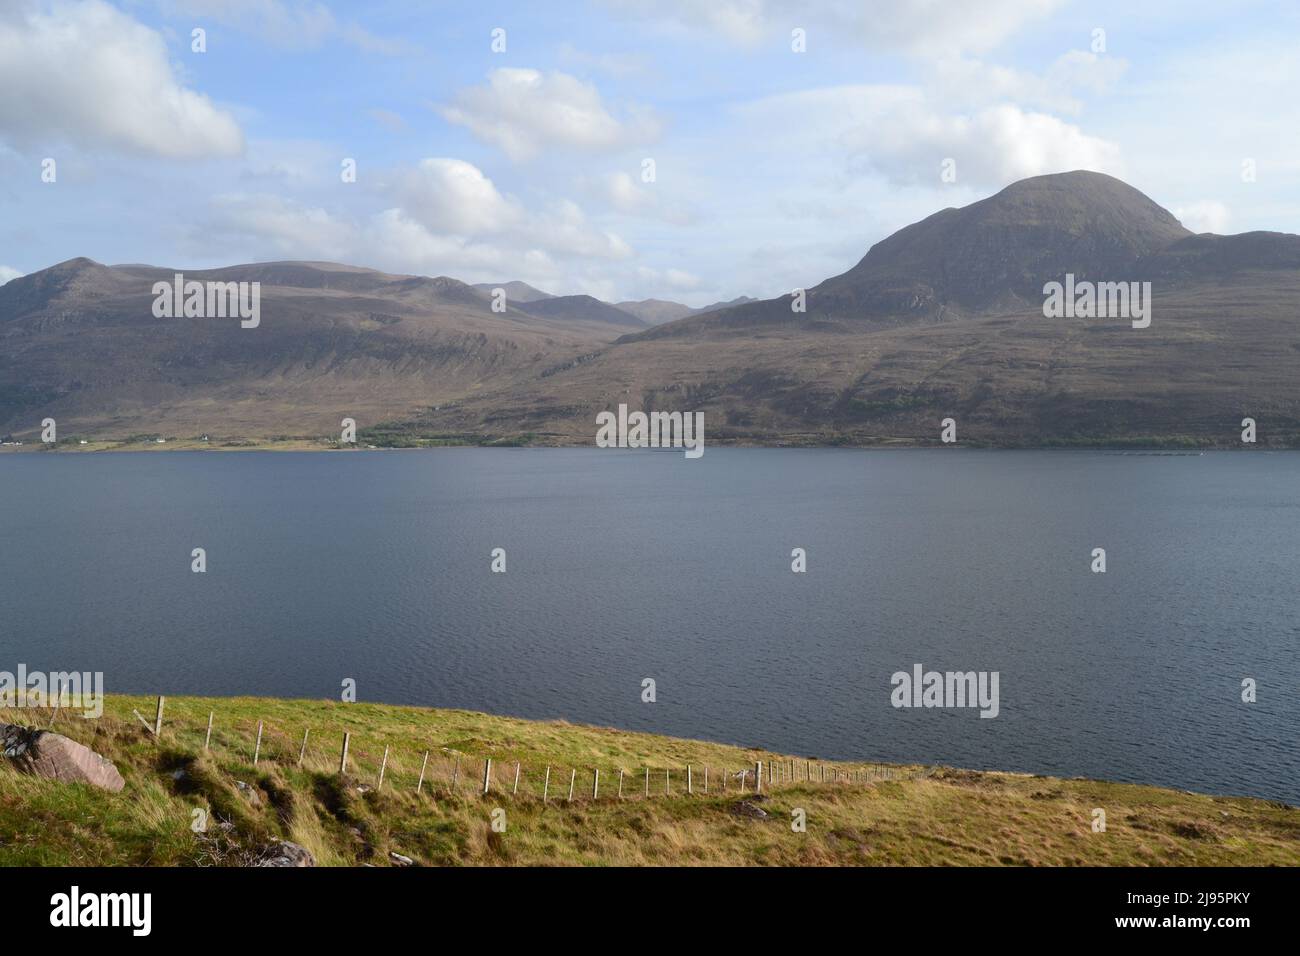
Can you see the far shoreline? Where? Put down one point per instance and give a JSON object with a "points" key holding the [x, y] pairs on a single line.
{"points": [[1170, 447]]}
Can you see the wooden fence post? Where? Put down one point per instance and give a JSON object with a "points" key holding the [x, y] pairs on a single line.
{"points": [[383, 766], [303, 752], [689, 781], [647, 781], [487, 774], [208, 739], [573, 778], [257, 747], [343, 761], [706, 778], [420, 785], [546, 785], [668, 787], [515, 790], [595, 783], [157, 719], [620, 783]]}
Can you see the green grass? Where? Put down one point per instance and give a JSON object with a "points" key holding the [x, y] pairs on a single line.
{"points": [[893, 815]]}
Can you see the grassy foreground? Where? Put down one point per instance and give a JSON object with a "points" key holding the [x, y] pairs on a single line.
{"points": [[874, 815]]}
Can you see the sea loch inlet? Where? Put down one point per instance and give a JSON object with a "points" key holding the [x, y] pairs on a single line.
{"points": [[965, 561]]}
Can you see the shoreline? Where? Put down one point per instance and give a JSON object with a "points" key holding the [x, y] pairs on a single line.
{"points": [[1171, 447]]}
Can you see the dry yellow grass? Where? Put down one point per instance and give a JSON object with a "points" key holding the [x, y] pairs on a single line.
{"points": [[881, 816]]}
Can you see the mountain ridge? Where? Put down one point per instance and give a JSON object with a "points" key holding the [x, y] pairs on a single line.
{"points": [[941, 319]]}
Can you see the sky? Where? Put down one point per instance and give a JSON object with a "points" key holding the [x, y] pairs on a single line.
{"points": [[692, 150]]}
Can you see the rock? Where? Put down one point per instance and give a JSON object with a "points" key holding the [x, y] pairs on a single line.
{"points": [[249, 792], [400, 860], [747, 809], [56, 757], [285, 853]]}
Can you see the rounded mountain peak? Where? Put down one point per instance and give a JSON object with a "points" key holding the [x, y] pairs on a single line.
{"points": [[1000, 250]]}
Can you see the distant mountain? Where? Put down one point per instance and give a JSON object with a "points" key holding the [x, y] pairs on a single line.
{"points": [[738, 300], [655, 311], [581, 309], [659, 311], [944, 319], [515, 291], [79, 342]]}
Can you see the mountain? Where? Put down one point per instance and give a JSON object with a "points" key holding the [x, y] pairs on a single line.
{"points": [[942, 319], [79, 342], [515, 291], [581, 309], [655, 311], [992, 255], [659, 311]]}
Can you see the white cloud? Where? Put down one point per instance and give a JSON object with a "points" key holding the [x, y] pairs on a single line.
{"points": [[991, 147], [523, 112], [453, 196], [449, 219], [391, 121], [281, 227], [1204, 215], [903, 134], [6, 273], [678, 280], [86, 74], [624, 194], [292, 24], [962, 82], [915, 26]]}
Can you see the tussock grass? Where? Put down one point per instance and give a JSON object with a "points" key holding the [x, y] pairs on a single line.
{"points": [[888, 816]]}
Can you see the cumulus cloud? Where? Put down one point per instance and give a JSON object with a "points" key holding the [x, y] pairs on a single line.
{"points": [[904, 134], [1204, 215], [7, 273], [523, 112], [450, 195], [916, 26], [85, 73], [448, 218], [990, 148]]}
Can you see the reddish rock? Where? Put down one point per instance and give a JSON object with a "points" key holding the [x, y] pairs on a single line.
{"points": [[56, 757]]}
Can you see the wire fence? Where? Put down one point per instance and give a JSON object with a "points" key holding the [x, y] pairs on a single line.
{"points": [[371, 764]]}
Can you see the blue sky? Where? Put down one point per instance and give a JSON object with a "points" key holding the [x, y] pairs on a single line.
{"points": [[773, 169]]}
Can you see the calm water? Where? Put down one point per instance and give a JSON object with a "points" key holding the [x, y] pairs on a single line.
{"points": [[625, 565]]}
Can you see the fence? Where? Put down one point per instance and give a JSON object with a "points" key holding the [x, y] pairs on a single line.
{"points": [[453, 773]]}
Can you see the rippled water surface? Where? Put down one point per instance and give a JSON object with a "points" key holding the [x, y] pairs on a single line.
{"points": [[627, 565]]}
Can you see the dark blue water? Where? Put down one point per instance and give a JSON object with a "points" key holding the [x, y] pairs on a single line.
{"points": [[626, 565]]}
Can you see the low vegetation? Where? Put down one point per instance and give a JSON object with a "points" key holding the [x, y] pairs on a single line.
{"points": [[873, 815]]}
